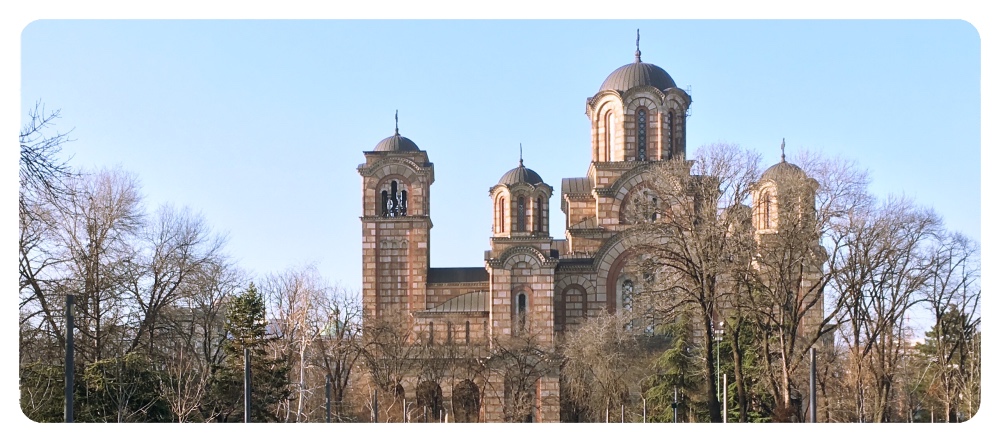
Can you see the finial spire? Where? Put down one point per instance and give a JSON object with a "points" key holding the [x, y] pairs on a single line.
{"points": [[782, 149], [397, 121], [520, 158], [638, 53]]}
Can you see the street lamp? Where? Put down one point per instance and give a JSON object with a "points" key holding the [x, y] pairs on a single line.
{"points": [[718, 340]]}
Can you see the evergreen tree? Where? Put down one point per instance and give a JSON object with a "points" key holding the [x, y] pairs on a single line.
{"points": [[122, 389], [246, 327], [951, 351], [678, 367]]}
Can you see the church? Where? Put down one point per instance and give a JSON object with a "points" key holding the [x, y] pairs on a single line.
{"points": [[529, 282]]}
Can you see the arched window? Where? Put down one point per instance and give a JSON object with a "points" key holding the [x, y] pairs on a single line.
{"points": [[641, 126], [670, 134], [538, 214], [430, 333], [609, 134], [448, 334], [503, 214], [765, 210], [394, 201], [522, 313], [520, 214], [468, 329], [679, 132], [465, 401], [655, 210], [628, 291]]}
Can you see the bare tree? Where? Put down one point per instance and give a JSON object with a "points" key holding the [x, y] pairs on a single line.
{"points": [[84, 251], [388, 352], [192, 347], [690, 245], [953, 294], [517, 363], [878, 274], [603, 364], [317, 324], [42, 173], [170, 251]]}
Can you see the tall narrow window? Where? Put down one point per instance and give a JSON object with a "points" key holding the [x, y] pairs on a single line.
{"points": [[654, 210], [522, 312], [681, 129], [385, 203], [468, 329], [538, 214], [670, 134], [503, 214], [430, 333], [402, 203], [520, 214], [628, 291], [765, 205], [448, 334], [609, 134], [393, 205], [640, 121]]}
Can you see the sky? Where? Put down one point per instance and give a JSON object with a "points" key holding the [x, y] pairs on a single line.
{"points": [[260, 125]]}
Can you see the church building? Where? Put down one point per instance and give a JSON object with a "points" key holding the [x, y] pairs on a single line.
{"points": [[529, 282]]}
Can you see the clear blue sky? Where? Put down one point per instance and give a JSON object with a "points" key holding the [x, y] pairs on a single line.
{"points": [[260, 125]]}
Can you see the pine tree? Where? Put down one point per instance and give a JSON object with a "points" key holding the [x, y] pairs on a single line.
{"points": [[246, 327]]}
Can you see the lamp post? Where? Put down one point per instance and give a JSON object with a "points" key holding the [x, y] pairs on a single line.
{"points": [[718, 340], [68, 391]]}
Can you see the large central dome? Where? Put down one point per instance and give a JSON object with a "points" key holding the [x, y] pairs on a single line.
{"points": [[638, 74]]}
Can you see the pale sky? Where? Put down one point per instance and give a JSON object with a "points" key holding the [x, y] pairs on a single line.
{"points": [[260, 125]]}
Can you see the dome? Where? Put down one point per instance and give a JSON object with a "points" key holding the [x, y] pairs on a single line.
{"points": [[638, 74], [396, 143], [521, 174], [783, 170]]}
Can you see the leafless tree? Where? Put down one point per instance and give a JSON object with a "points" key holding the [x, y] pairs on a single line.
{"points": [[85, 252], [192, 347], [172, 248], [604, 362], [388, 353], [953, 295], [316, 324], [878, 275], [516, 364], [43, 174], [690, 245]]}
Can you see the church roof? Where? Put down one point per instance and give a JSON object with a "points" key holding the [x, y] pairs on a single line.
{"points": [[457, 274], [469, 302], [579, 185], [396, 143], [783, 170], [521, 174], [638, 74]]}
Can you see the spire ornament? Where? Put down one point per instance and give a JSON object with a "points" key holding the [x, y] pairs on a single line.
{"points": [[397, 121], [782, 149], [520, 157], [638, 53]]}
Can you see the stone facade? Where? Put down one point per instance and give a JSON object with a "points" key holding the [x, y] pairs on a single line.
{"points": [[530, 284]]}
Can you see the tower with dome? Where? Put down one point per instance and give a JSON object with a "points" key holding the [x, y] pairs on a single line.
{"points": [[531, 286]]}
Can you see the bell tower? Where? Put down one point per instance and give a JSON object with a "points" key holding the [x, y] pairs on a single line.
{"points": [[396, 224]]}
